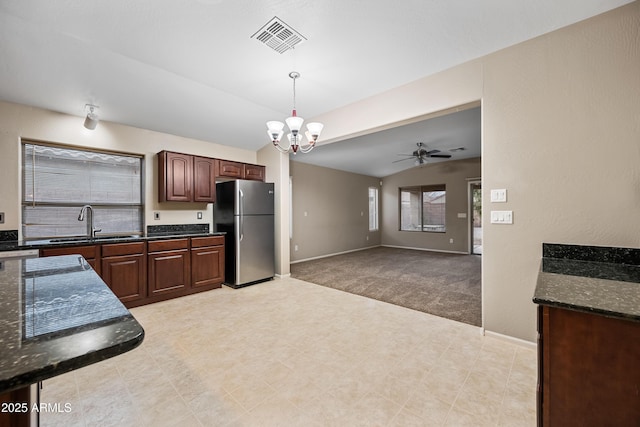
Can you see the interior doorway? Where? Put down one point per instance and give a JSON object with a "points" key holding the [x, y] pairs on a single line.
{"points": [[475, 221]]}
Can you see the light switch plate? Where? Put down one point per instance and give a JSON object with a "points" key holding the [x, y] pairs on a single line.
{"points": [[499, 195], [156, 215], [1, 217], [501, 217], [199, 215]]}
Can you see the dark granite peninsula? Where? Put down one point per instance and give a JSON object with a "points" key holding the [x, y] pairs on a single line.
{"points": [[56, 315], [588, 335]]}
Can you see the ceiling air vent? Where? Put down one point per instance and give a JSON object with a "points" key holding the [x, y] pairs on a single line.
{"points": [[278, 35]]}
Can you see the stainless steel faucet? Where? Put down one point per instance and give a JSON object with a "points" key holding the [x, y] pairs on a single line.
{"points": [[91, 231]]}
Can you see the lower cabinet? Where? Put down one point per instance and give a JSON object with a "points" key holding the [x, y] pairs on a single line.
{"points": [[169, 264], [587, 369], [207, 262], [144, 272], [124, 270]]}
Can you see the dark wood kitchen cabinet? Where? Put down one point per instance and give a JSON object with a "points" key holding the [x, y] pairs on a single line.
{"points": [[90, 252], [204, 179], [124, 270], [229, 169], [207, 262], [255, 172], [237, 170], [169, 267], [186, 178], [587, 369]]}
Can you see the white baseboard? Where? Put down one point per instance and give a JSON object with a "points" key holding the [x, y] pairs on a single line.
{"points": [[282, 276], [334, 254], [508, 338], [425, 249]]}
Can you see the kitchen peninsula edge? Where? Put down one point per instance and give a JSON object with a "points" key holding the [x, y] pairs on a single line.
{"points": [[57, 315]]}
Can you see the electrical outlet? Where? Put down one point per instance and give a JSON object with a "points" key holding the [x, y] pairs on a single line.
{"points": [[295, 248], [450, 240], [156, 215], [199, 215]]}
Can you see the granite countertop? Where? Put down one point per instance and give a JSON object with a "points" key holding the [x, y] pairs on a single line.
{"points": [[81, 241], [57, 315], [592, 279]]}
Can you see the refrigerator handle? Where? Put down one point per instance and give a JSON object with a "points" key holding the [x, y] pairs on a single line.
{"points": [[241, 214]]}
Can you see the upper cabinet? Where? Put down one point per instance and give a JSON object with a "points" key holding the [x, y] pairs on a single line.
{"points": [[237, 170], [229, 169], [185, 178], [204, 179]]}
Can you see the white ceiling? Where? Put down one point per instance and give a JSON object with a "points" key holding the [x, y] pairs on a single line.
{"points": [[190, 68]]}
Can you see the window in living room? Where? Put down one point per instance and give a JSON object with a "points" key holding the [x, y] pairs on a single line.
{"points": [[373, 209], [423, 208], [58, 180]]}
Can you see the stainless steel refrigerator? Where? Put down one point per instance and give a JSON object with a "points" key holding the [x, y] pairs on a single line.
{"points": [[244, 210]]}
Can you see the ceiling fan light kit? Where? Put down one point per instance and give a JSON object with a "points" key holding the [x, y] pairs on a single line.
{"points": [[275, 129]]}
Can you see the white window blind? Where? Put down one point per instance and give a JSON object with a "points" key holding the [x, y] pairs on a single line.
{"points": [[58, 181]]}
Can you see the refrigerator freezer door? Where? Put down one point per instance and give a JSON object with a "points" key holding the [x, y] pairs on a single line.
{"points": [[255, 251], [254, 198]]}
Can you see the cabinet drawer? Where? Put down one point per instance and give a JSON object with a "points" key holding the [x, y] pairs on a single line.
{"points": [[230, 169], [254, 172], [116, 249], [168, 245], [88, 252], [199, 242]]}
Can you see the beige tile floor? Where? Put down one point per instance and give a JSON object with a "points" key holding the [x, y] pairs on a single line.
{"points": [[290, 353]]}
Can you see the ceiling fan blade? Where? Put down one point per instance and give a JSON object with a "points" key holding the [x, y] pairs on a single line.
{"points": [[442, 156], [432, 152], [402, 160]]}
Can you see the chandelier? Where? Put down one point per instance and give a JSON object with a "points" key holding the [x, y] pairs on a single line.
{"points": [[295, 138]]}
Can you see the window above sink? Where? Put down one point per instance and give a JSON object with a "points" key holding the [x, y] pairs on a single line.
{"points": [[58, 180]]}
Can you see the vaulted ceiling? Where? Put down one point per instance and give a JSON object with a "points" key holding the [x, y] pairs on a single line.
{"points": [[191, 68]]}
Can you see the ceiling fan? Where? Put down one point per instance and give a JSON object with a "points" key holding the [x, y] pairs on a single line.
{"points": [[421, 155]]}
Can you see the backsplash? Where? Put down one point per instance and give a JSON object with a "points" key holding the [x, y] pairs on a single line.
{"points": [[8, 235], [159, 230]]}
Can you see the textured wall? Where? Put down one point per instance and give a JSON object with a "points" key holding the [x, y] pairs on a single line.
{"points": [[454, 175], [561, 132], [561, 120], [336, 204]]}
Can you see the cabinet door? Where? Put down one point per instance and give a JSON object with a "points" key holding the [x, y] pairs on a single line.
{"points": [[204, 180], [169, 272], [230, 169], [254, 172], [175, 182], [207, 267], [126, 276]]}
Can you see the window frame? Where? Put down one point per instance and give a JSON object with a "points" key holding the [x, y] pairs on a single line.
{"points": [[376, 208], [102, 205], [421, 189]]}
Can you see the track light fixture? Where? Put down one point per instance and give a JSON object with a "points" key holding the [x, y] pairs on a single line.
{"points": [[92, 118]]}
